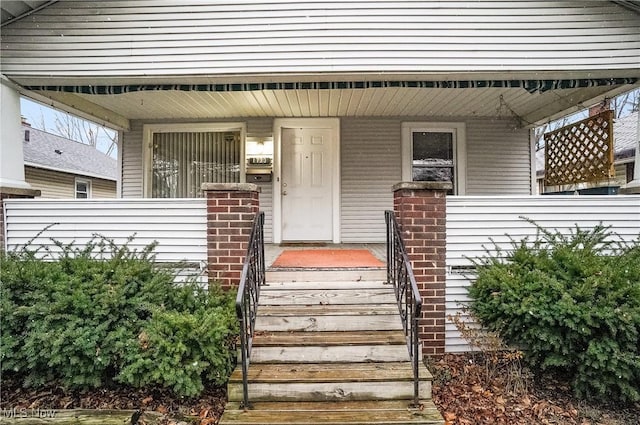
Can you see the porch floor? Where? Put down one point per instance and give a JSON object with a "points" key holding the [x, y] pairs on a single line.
{"points": [[273, 251]]}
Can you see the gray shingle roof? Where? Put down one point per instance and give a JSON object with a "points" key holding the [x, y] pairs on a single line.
{"points": [[49, 151]]}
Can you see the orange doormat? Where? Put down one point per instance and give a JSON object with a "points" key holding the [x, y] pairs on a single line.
{"points": [[326, 258]]}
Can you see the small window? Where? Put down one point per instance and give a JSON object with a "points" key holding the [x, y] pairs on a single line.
{"points": [[434, 152], [432, 156], [83, 189]]}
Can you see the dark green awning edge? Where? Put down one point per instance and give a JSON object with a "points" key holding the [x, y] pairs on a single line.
{"points": [[532, 86]]}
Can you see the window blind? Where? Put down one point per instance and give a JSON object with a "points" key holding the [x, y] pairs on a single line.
{"points": [[182, 161]]}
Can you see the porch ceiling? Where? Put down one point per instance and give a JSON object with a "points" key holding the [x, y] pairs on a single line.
{"points": [[529, 108]]}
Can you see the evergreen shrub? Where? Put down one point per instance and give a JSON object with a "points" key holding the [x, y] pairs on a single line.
{"points": [[572, 303], [106, 314]]}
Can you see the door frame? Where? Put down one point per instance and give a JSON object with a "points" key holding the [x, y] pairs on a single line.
{"points": [[278, 125]]}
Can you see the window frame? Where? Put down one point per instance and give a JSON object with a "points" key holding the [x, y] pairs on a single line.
{"points": [[458, 132], [75, 187], [148, 130]]}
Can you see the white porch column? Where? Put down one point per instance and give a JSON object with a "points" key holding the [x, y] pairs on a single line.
{"points": [[633, 187], [11, 156]]}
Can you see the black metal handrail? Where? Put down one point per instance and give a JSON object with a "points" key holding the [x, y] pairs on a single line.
{"points": [[400, 274], [251, 279]]}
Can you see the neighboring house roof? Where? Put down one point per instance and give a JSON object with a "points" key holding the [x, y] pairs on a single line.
{"points": [[12, 10], [625, 131], [46, 150]]}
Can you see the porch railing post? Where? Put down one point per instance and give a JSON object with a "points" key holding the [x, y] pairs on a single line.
{"points": [[420, 208], [231, 209]]}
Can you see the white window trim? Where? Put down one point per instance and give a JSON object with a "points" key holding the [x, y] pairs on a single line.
{"points": [[147, 146], [75, 187], [458, 129]]}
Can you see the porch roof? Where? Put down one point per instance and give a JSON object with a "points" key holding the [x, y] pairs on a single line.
{"points": [[528, 102], [63, 51]]}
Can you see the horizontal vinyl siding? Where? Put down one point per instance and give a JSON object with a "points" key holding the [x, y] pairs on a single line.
{"points": [[51, 184], [103, 189], [498, 158], [179, 225], [266, 205], [498, 162], [132, 162], [370, 164], [58, 185], [142, 38], [133, 158], [472, 221]]}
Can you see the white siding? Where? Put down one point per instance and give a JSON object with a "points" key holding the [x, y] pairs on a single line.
{"points": [[498, 158], [498, 162], [178, 225], [471, 221], [370, 166], [266, 205], [144, 38], [132, 162]]}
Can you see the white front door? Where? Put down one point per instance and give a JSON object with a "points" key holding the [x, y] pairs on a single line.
{"points": [[307, 182]]}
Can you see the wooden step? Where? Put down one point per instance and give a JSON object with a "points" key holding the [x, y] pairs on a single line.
{"points": [[329, 353], [343, 413], [330, 310], [306, 275], [328, 296], [325, 284], [348, 383], [326, 320], [321, 372], [314, 406], [327, 339]]}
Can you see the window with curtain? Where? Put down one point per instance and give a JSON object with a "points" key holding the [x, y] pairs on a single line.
{"points": [[182, 161]]}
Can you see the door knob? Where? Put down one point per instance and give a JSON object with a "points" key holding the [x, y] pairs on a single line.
{"points": [[284, 193]]}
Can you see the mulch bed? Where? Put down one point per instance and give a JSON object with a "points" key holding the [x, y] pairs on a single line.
{"points": [[466, 395], [463, 391], [208, 407]]}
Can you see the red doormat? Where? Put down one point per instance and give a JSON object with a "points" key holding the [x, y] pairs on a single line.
{"points": [[326, 258]]}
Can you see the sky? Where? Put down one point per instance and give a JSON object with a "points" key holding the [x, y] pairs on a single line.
{"points": [[43, 117]]}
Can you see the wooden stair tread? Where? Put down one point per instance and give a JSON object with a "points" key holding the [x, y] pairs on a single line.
{"points": [[327, 296], [340, 372], [333, 405], [330, 310], [327, 338], [326, 275], [324, 284], [332, 417]]}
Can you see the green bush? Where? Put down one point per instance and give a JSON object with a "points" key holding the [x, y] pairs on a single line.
{"points": [[104, 314], [572, 303]]}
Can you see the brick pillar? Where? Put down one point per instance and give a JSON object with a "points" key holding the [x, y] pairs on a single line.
{"points": [[12, 193], [231, 209], [420, 208]]}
